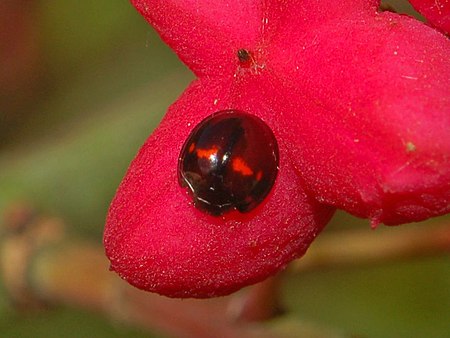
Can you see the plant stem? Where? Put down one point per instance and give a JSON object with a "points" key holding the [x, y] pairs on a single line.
{"points": [[39, 263], [366, 246], [257, 303]]}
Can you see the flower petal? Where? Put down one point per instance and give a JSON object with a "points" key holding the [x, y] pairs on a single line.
{"points": [[436, 11], [205, 34], [367, 101], [158, 241]]}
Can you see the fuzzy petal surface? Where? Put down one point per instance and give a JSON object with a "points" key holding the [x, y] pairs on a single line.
{"points": [[436, 11], [371, 95], [363, 95], [158, 241], [358, 100], [204, 33]]}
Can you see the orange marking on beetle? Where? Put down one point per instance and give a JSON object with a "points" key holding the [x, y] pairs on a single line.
{"points": [[259, 176], [191, 148], [240, 166], [207, 153]]}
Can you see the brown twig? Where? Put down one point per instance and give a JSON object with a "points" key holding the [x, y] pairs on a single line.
{"points": [[366, 246], [39, 264], [77, 274]]}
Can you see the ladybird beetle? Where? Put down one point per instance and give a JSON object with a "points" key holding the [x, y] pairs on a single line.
{"points": [[229, 162]]}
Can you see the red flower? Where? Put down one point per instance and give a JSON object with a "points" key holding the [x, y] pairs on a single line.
{"points": [[358, 100], [436, 11]]}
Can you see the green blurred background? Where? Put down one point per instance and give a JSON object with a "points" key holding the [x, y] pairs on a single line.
{"points": [[82, 85]]}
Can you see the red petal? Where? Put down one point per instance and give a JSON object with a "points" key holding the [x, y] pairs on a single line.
{"points": [[158, 241], [206, 35], [368, 103], [436, 11]]}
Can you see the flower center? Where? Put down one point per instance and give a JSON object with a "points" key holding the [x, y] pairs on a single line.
{"points": [[245, 58]]}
